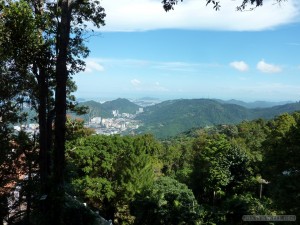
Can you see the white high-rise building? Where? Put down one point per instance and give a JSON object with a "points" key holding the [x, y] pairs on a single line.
{"points": [[96, 120]]}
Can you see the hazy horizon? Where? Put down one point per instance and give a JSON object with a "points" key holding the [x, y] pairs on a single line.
{"points": [[165, 98]]}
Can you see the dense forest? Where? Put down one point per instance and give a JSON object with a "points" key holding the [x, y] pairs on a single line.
{"points": [[204, 176], [211, 175]]}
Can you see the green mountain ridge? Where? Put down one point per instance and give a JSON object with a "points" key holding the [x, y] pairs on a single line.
{"points": [[105, 109], [253, 105], [172, 117]]}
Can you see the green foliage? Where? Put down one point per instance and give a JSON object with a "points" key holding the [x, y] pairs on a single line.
{"points": [[220, 164], [41, 46], [217, 166], [166, 202], [21, 37], [108, 171], [18, 41], [251, 136], [238, 205], [76, 129], [177, 157], [281, 164]]}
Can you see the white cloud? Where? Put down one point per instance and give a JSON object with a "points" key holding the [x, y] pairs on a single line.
{"points": [[158, 65], [240, 66], [267, 68], [92, 66], [148, 86], [175, 66], [141, 15], [135, 82]]}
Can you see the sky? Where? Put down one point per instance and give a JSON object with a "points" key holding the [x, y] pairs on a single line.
{"points": [[194, 51]]}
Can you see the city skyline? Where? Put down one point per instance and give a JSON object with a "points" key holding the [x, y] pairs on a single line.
{"points": [[194, 52]]}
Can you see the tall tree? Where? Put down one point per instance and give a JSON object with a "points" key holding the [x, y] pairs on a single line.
{"points": [[281, 163], [44, 41], [18, 36]]}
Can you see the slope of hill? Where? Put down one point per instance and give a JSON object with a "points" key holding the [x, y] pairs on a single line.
{"points": [[105, 109], [121, 104], [255, 104], [268, 113], [172, 117], [175, 116]]}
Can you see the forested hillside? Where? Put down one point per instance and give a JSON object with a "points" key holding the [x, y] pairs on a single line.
{"points": [[169, 118], [255, 104], [105, 109], [175, 116]]}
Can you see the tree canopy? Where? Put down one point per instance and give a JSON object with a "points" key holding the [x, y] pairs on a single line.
{"points": [[42, 46]]}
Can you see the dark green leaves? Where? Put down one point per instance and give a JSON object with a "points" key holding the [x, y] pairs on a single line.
{"points": [[166, 202]]}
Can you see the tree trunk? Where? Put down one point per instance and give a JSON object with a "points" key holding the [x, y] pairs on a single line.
{"points": [[43, 162], [60, 109], [44, 130]]}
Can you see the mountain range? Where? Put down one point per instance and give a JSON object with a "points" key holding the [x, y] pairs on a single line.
{"points": [[175, 116], [255, 104], [105, 109], [172, 117]]}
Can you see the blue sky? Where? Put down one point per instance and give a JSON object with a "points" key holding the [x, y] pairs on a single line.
{"points": [[194, 52]]}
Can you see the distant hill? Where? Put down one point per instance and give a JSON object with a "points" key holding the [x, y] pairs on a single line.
{"points": [[121, 104], [105, 109], [147, 101], [175, 116], [271, 112], [80, 100], [172, 117], [255, 104]]}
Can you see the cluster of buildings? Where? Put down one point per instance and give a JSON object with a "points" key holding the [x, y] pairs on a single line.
{"points": [[120, 123], [31, 129]]}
